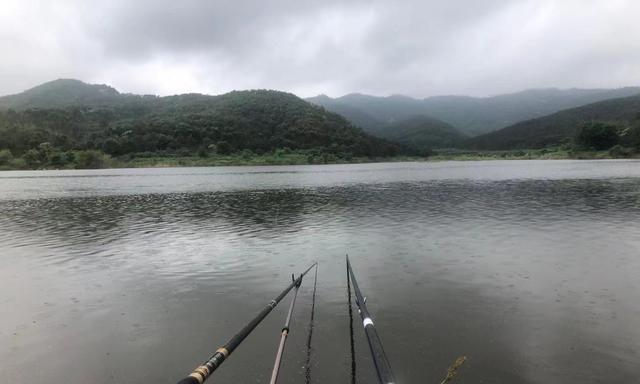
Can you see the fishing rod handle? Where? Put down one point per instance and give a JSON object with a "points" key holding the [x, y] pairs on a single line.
{"points": [[200, 374]]}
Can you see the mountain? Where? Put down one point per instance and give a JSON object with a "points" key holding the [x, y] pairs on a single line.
{"points": [[353, 114], [383, 110], [70, 114], [559, 127], [471, 115], [62, 93], [397, 118], [422, 133], [481, 115]]}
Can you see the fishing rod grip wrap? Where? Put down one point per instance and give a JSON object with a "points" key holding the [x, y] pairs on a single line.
{"points": [[189, 380]]}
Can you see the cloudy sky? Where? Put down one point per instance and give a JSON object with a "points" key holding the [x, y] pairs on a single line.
{"points": [[415, 47]]}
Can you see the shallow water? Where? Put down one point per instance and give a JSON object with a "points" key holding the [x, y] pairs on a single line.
{"points": [[531, 269]]}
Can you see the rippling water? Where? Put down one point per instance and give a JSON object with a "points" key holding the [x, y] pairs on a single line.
{"points": [[529, 268]]}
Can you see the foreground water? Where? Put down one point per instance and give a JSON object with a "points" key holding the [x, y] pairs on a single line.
{"points": [[531, 269]]}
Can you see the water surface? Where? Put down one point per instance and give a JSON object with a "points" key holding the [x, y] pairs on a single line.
{"points": [[529, 268]]}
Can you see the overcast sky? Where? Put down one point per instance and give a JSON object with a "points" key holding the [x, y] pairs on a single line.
{"points": [[417, 48]]}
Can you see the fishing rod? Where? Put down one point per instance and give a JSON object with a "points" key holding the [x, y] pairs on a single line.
{"points": [[285, 332], [201, 373], [383, 368], [283, 336]]}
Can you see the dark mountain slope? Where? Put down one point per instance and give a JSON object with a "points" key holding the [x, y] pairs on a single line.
{"points": [[559, 127], [482, 115]]}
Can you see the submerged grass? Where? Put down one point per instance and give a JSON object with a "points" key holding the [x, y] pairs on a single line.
{"points": [[453, 369]]}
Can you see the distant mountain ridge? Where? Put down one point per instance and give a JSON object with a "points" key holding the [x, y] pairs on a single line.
{"points": [[396, 118], [470, 115], [371, 111], [353, 114]]}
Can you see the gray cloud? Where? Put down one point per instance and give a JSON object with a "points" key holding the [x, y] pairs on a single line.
{"points": [[418, 48]]}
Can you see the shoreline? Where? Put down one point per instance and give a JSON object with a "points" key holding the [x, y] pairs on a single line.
{"points": [[300, 159]]}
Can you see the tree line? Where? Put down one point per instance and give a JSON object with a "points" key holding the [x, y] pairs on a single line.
{"points": [[620, 139]]}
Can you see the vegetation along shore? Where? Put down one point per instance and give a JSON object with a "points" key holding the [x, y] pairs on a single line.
{"points": [[93, 159]]}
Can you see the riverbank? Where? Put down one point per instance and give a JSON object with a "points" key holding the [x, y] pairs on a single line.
{"points": [[97, 160], [303, 159], [244, 160], [535, 154]]}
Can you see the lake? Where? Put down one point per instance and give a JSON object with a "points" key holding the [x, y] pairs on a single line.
{"points": [[531, 269]]}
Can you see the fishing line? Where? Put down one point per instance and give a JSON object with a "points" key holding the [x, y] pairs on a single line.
{"points": [[307, 373]]}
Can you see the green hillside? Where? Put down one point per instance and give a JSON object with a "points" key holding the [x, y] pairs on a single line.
{"points": [[560, 127], [71, 115]]}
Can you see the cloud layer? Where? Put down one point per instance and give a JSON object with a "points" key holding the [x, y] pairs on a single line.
{"points": [[414, 47]]}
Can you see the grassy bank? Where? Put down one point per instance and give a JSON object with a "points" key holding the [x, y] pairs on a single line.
{"points": [[535, 154], [96, 159], [234, 160]]}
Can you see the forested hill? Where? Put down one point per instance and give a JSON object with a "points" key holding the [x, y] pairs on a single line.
{"points": [[560, 127], [470, 115], [422, 133], [68, 115]]}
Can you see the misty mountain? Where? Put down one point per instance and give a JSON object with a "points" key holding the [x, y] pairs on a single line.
{"points": [[396, 118], [378, 111], [470, 115], [70, 114], [422, 133], [353, 114], [559, 127]]}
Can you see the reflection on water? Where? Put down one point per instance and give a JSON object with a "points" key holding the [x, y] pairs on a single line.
{"points": [[125, 276]]}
